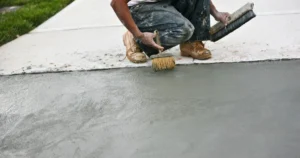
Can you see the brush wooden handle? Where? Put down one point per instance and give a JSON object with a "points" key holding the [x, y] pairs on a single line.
{"points": [[157, 39]]}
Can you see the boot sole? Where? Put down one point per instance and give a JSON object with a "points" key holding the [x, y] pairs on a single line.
{"points": [[204, 58]]}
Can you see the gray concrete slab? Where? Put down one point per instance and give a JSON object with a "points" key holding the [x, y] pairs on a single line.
{"points": [[211, 111]]}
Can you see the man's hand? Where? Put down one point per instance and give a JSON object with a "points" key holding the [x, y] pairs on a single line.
{"points": [[147, 39], [222, 17], [219, 16], [121, 9]]}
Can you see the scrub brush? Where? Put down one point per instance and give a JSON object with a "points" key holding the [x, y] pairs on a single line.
{"points": [[162, 61]]}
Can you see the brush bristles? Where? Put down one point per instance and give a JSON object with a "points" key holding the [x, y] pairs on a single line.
{"points": [[166, 63]]}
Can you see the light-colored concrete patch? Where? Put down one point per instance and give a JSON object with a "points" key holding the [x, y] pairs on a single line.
{"points": [[98, 13], [264, 38], [102, 48], [82, 14], [64, 51], [88, 36]]}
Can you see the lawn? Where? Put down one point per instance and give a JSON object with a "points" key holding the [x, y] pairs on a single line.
{"points": [[31, 14]]}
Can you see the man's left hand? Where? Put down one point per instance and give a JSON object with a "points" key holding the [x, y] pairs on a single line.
{"points": [[222, 17]]}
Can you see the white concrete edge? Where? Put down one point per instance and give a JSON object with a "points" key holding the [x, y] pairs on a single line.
{"points": [[120, 25], [146, 65]]}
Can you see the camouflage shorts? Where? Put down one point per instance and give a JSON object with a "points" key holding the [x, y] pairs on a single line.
{"points": [[176, 20]]}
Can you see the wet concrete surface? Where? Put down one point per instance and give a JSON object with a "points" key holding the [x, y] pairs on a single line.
{"points": [[248, 110]]}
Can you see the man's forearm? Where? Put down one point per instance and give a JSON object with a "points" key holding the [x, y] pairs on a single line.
{"points": [[213, 10], [122, 11]]}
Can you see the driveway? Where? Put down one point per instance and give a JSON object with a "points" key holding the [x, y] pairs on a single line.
{"points": [[237, 110]]}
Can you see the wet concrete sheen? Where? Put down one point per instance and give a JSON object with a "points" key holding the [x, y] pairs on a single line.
{"points": [[210, 111]]}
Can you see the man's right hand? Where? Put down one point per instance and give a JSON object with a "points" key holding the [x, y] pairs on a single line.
{"points": [[147, 39], [121, 9]]}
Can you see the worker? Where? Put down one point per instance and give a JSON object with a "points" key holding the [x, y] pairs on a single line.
{"points": [[179, 22]]}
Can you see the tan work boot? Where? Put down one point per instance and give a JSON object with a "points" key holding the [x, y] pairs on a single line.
{"points": [[195, 50], [133, 52]]}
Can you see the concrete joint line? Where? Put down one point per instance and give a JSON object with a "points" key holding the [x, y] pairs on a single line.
{"points": [[75, 28], [278, 13]]}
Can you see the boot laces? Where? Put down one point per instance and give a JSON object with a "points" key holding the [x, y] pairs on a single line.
{"points": [[135, 48], [198, 47]]}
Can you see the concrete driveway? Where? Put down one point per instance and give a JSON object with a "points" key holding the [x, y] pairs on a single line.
{"points": [[210, 111], [233, 110]]}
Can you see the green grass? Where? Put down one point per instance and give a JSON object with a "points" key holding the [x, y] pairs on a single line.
{"points": [[29, 16]]}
